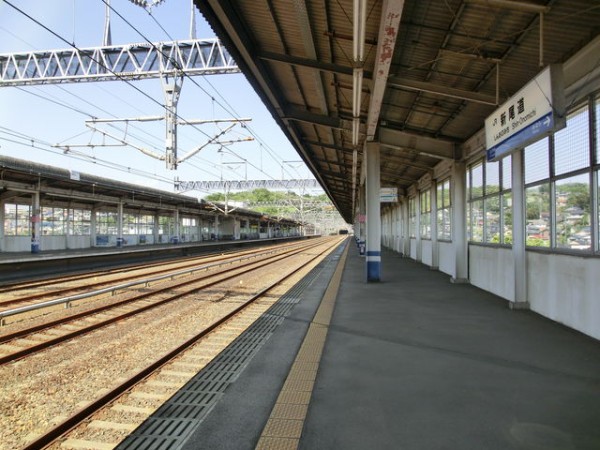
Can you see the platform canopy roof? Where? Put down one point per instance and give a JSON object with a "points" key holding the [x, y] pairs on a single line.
{"points": [[431, 70]]}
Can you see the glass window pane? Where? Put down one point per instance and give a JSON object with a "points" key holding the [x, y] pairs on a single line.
{"points": [[476, 220], [572, 143], [412, 215], [537, 161], [492, 219], [10, 219], [538, 215], [492, 177], [23, 220], [573, 228], [476, 189], [507, 222], [598, 130], [507, 173]]}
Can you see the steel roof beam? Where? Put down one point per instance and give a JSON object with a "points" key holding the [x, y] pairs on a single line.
{"points": [[445, 91], [309, 63], [302, 115], [436, 148], [388, 31], [331, 146], [511, 4], [311, 51]]}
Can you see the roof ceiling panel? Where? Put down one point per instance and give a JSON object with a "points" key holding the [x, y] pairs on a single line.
{"points": [[442, 78]]}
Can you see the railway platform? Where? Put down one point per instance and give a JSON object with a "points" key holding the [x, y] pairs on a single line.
{"points": [[411, 362], [16, 266]]}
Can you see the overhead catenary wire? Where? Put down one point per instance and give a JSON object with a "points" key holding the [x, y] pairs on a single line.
{"points": [[77, 110], [37, 22], [43, 146], [229, 109], [63, 104]]}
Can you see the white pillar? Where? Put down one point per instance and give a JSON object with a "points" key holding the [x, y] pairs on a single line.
{"points": [[120, 224], [373, 249], [36, 220], [519, 237], [405, 228], [362, 205], [418, 256], [459, 223], [176, 232], [93, 228], [434, 231], [156, 227], [2, 219]]}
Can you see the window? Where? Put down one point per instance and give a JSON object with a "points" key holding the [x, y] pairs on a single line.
{"points": [[444, 210], [106, 222], [189, 227], [166, 225], [559, 193], [412, 217], [489, 185], [537, 161], [146, 224], [17, 221], [572, 200], [537, 199], [79, 223], [597, 127], [54, 221], [425, 219], [572, 144], [130, 224], [476, 221]]}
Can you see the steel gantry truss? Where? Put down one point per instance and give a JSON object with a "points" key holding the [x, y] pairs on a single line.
{"points": [[116, 62], [244, 185]]}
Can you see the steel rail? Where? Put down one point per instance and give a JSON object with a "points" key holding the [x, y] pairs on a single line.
{"points": [[113, 289], [88, 329], [94, 406], [19, 286]]}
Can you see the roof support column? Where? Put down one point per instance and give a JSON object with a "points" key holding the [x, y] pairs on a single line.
{"points": [[36, 220], [2, 219], [156, 228], [459, 223], [176, 227], [519, 233], [405, 220], [120, 224], [362, 213], [434, 231], [418, 240], [372, 160]]}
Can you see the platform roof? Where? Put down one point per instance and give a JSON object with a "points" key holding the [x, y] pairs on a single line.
{"points": [[449, 64], [20, 178]]}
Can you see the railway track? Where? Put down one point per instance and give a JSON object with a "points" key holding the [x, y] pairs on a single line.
{"points": [[31, 340], [26, 293], [91, 422]]}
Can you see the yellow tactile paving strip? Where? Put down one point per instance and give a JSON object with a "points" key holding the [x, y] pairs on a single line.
{"points": [[284, 427]]}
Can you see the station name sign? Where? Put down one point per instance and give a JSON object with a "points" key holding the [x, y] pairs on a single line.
{"points": [[388, 195], [537, 110]]}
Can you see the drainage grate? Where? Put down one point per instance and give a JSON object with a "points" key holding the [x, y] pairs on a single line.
{"points": [[169, 427]]}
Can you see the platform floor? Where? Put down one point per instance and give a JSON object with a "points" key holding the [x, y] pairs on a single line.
{"points": [[415, 362]]}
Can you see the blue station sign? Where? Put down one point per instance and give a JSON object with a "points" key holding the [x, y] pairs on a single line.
{"points": [[537, 110]]}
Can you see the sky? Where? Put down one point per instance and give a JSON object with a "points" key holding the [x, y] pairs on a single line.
{"points": [[35, 119]]}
